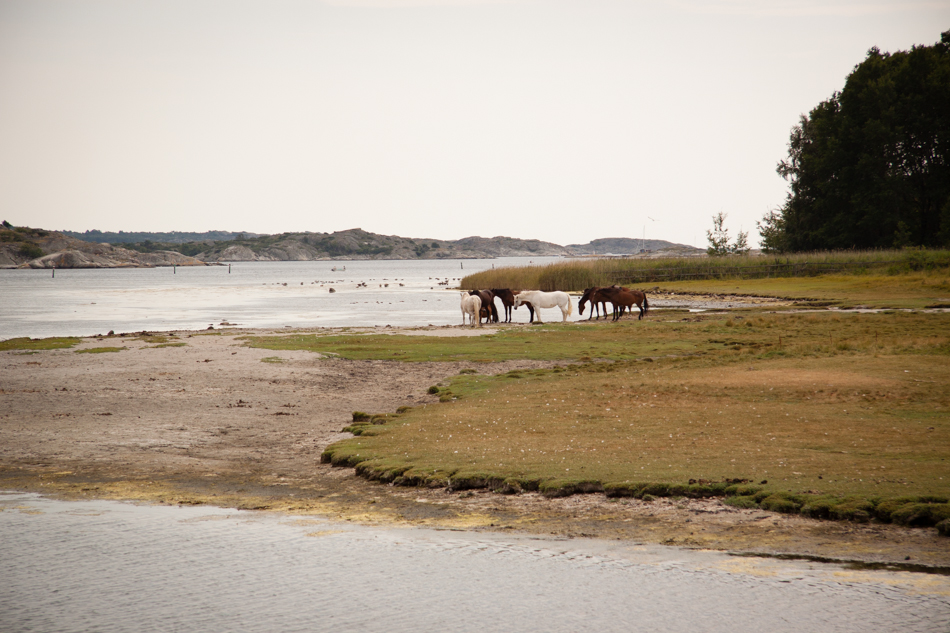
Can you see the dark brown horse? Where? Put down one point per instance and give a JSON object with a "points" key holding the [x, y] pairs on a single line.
{"points": [[488, 304], [623, 298], [589, 295], [507, 300]]}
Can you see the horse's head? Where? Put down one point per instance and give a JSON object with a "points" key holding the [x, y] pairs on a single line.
{"points": [[518, 300], [589, 294]]}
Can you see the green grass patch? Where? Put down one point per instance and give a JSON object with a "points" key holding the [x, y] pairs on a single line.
{"points": [[548, 342], [39, 344], [272, 359], [100, 350], [179, 344], [748, 336], [157, 339]]}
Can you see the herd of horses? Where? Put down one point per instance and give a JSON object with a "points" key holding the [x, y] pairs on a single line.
{"points": [[480, 304]]}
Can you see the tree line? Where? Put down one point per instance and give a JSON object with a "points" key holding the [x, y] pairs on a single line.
{"points": [[870, 167]]}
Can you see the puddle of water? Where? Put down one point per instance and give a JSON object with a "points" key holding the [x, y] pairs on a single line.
{"points": [[109, 566]]}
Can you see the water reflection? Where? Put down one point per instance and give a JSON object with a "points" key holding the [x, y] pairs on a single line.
{"points": [[107, 566]]}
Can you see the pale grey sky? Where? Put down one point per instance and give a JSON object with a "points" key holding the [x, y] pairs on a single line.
{"points": [[564, 121]]}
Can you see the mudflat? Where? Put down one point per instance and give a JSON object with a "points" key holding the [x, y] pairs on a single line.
{"points": [[200, 418]]}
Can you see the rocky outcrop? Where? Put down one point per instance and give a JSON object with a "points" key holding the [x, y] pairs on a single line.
{"points": [[357, 244], [111, 257], [631, 246], [501, 246], [23, 247]]}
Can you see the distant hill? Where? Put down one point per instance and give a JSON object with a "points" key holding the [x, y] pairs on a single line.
{"points": [[173, 237], [38, 248], [22, 247], [360, 244], [629, 246]]}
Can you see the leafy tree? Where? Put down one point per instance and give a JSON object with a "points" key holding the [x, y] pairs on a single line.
{"points": [[772, 231], [870, 167], [719, 239]]}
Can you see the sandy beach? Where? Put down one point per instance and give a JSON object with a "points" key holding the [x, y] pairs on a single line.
{"points": [[216, 422]]}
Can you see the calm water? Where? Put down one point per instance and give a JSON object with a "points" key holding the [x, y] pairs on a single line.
{"points": [[108, 566], [84, 302]]}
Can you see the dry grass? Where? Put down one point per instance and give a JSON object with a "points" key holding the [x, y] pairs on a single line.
{"points": [[908, 290], [817, 404], [839, 425]]}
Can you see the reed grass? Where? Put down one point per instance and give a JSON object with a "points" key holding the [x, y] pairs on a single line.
{"points": [[577, 274]]}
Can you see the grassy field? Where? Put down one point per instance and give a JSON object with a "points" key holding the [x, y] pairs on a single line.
{"points": [[832, 415]]}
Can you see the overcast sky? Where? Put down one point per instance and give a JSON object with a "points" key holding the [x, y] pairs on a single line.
{"points": [[564, 121]]}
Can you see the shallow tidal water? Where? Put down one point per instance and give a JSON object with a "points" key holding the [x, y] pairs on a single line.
{"points": [[85, 302], [111, 566]]}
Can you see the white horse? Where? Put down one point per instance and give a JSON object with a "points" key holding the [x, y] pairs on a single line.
{"points": [[539, 300], [471, 305]]}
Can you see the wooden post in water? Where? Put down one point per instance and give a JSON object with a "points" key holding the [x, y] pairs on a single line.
{"points": [[174, 269], [54, 272], [229, 269]]}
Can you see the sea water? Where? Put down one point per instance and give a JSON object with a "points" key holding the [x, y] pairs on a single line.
{"points": [[108, 566], [85, 302]]}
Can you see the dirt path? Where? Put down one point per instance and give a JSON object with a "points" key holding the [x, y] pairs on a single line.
{"points": [[209, 422]]}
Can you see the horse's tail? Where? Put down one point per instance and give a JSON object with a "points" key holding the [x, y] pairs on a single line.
{"points": [[570, 306], [646, 304]]}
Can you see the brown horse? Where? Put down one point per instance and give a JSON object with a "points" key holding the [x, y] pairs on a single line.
{"points": [[623, 298], [589, 295], [507, 300], [488, 304]]}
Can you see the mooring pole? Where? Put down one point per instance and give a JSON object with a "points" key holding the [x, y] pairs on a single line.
{"points": [[229, 269]]}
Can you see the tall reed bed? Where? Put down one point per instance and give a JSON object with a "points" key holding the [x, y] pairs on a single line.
{"points": [[577, 274]]}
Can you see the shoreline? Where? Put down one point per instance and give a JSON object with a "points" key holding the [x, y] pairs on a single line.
{"points": [[209, 423]]}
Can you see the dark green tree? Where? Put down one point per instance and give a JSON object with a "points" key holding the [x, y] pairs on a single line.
{"points": [[870, 167]]}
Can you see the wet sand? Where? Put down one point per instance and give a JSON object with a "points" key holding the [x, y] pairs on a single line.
{"points": [[210, 423]]}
